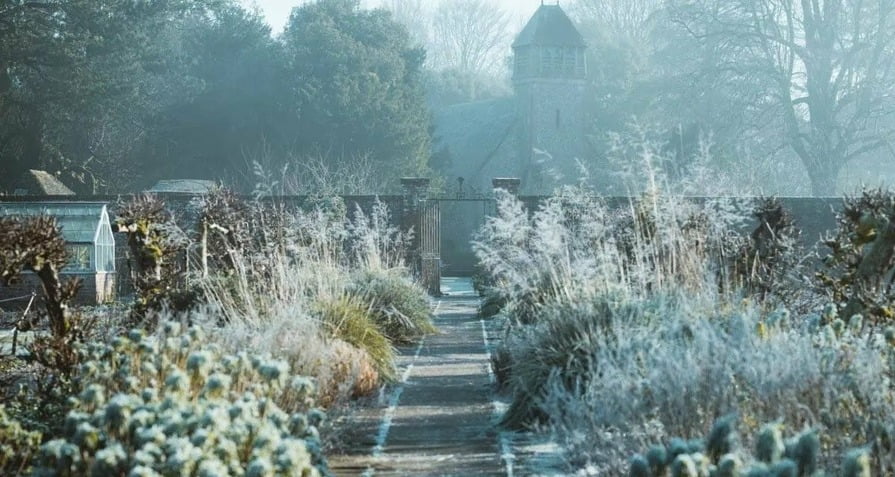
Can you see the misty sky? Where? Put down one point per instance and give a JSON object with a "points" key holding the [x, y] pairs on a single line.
{"points": [[277, 11]]}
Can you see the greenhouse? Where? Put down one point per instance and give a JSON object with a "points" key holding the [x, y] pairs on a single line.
{"points": [[89, 242]]}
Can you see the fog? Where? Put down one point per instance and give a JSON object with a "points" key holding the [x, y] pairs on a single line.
{"points": [[277, 11], [707, 97]]}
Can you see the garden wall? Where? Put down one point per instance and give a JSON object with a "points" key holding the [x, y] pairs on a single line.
{"points": [[460, 219]]}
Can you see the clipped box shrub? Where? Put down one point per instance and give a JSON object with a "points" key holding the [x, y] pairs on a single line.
{"points": [[172, 404]]}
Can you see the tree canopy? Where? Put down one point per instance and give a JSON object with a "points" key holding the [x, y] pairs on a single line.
{"points": [[111, 96]]}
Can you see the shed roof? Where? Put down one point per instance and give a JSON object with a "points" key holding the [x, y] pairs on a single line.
{"points": [[183, 186], [550, 26], [80, 221], [37, 182]]}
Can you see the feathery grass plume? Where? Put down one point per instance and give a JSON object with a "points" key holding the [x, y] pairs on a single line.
{"points": [[303, 264], [681, 348]]}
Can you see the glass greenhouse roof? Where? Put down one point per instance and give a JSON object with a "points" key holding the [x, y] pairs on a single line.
{"points": [[80, 221]]}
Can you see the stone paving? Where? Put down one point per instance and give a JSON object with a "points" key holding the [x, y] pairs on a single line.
{"points": [[440, 419]]}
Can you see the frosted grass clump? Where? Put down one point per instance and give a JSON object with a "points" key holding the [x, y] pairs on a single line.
{"points": [[299, 259], [574, 246], [663, 367], [624, 327], [156, 410]]}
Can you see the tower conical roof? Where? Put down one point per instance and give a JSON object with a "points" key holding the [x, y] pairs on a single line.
{"points": [[550, 26]]}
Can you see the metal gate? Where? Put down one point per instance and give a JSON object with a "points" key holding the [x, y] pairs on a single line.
{"points": [[430, 246], [462, 218]]}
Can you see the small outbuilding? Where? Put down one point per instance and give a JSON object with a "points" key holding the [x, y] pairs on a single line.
{"points": [[37, 182], [89, 242]]}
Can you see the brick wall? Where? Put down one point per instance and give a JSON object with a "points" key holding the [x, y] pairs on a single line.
{"points": [[95, 289]]}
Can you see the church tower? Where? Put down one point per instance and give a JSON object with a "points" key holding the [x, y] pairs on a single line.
{"points": [[549, 79]]}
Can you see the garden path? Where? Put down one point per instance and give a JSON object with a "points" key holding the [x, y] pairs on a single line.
{"points": [[440, 418]]}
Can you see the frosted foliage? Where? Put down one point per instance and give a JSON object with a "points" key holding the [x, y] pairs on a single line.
{"points": [[621, 331], [575, 246], [173, 404]]}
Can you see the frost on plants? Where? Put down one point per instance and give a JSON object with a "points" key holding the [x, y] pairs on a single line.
{"points": [[774, 456], [399, 307], [861, 257], [17, 445], [623, 327], [172, 404]]}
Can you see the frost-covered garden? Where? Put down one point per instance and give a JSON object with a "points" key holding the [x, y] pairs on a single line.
{"points": [[245, 330], [679, 338]]}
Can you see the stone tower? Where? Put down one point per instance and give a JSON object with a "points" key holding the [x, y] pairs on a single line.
{"points": [[549, 78]]}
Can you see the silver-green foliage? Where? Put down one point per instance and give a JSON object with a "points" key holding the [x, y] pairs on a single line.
{"points": [[774, 456], [172, 405]]}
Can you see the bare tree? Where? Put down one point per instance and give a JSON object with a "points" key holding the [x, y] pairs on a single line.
{"points": [[413, 15], [619, 18], [827, 66], [471, 36]]}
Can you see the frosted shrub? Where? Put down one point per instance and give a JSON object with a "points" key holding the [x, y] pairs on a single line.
{"points": [[313, 291], [626, 327], [174, 404], [719, 456], [575, 247], [17, 445], [670, 366]]}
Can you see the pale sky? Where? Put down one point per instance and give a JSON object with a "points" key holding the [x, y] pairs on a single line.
{"points": [[277, 11]]}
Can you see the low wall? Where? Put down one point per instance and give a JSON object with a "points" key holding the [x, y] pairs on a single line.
{"points": [[460, 220], [96, 288]]}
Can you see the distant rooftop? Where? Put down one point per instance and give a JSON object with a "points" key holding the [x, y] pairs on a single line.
{"points": [[37, 182], [183, 186], [550, 26]]}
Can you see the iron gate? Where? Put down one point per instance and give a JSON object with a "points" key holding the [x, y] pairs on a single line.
{"points": [[430, 246]]}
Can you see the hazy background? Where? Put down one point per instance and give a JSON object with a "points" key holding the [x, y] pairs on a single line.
{"points": [[277, 11], [111, 96]]}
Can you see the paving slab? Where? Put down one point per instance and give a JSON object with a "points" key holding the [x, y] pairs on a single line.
{"points": [[440, 420]]}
